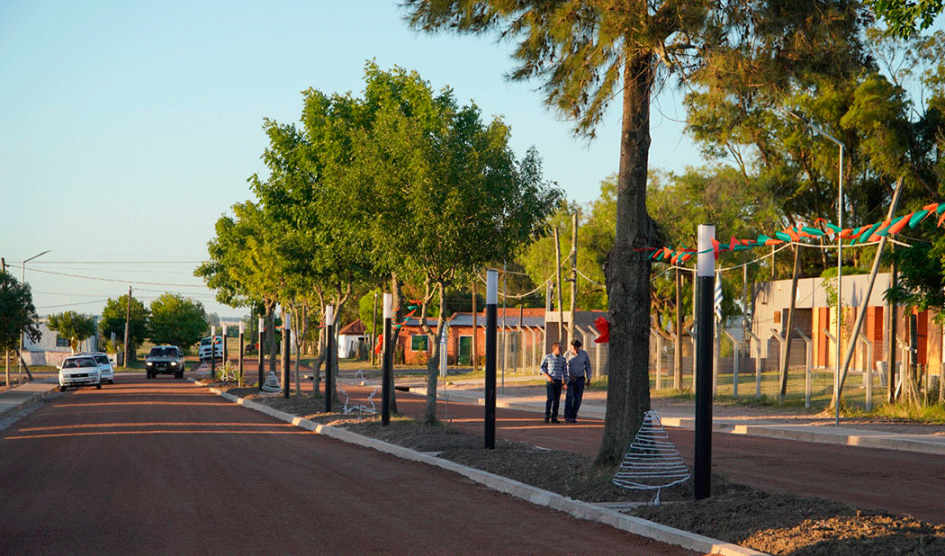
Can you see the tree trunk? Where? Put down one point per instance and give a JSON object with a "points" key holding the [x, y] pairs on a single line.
{"points": [[319, 359], [271, 337], [301, 321], [433, 364], [628, 271]]}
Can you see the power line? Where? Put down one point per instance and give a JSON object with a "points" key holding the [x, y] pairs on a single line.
{"points": [[72, 304], [118, 262], [128, 270], [117, 281]]}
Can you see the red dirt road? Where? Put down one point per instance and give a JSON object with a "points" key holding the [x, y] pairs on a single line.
{"points": [[899, 482], [162, 467]]}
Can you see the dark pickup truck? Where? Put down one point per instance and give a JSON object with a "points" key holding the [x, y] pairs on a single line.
{"points": [[165, 360]]}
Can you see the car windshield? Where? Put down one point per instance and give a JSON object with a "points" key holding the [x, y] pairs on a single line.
{"points": [[205, 342], [103, 359], [163, 352], [79, 362]]}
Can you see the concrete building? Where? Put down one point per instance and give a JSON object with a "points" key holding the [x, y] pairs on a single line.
{"points": [[51, 348]]}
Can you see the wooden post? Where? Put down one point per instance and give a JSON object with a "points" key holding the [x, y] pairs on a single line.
{"points": [[128, 326], [560, 305], [475, 332], [574, 232]]}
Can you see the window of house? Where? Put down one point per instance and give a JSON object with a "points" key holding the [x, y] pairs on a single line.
{"points": [[419, 342], [62, 342]]}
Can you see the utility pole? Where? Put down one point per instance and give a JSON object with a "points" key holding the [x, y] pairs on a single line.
{"points": [[128, 328], [19, 362], [560, 305], [574, 234]]}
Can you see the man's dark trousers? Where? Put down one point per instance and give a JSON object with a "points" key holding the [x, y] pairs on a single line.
{"points": [[572, 401], [553, 388]]}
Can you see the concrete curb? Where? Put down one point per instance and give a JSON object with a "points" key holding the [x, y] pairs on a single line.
{"points": [[576, 508], [804, 433], [27, 401]]}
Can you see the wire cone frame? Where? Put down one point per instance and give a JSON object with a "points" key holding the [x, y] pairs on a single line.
{"points": [[652, 462]]}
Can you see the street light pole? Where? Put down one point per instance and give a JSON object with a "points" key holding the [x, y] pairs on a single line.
{"points": [[19, 362], [836, 380]]}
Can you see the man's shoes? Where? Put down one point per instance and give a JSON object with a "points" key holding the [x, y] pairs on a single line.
{"points": [[555, 421], [547, 419]]}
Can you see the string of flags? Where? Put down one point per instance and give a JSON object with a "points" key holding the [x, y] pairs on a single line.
{"points": [[414, 306], [869, 233]]}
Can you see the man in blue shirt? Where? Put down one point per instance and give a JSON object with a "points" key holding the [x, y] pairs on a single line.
{"points": [[579, 376], [553, 368]]}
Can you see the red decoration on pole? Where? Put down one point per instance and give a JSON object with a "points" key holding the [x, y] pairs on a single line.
{"points": [[604, 328], [379, 346]]}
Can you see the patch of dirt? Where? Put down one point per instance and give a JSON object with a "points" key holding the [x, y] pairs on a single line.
{"points": [[778, 524]]}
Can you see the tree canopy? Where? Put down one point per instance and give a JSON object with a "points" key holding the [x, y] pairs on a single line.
{"points": [[74, 326], [114, 316], [17, 313], [176, 321], [584, 54]]}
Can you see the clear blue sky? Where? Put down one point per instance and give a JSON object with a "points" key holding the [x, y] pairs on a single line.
{"points": [[128, 128]]}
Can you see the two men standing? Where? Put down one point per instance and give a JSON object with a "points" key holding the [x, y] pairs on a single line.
{"points": [[571, 373]]}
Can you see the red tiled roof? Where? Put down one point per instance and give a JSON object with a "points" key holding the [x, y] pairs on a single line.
{"points": [[355, 328]]}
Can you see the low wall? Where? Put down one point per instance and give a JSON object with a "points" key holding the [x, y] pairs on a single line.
{"points": [[51, 358]]}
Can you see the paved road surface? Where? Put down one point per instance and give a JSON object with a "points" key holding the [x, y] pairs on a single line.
{"points": [[162, 467], [899, 482]]}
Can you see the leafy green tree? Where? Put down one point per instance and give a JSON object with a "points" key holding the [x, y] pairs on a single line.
{"points": [[247, 264], [586, 54], [176, 320], [455, 197], [905, 18], [539, 257], [74, 326], [113, 321], [17, 313], [366, 310]]}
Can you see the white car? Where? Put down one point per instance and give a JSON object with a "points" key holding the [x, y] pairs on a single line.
{"points": [[204, 351], [79, 370], [105, 366]]}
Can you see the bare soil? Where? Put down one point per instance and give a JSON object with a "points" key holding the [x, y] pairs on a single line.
{"points": [[780, 524]]}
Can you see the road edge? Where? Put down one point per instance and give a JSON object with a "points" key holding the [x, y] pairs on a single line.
{"points": [[534, 495]]}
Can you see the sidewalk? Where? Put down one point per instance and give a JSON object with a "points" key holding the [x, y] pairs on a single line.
{"points": [[29, 393], [751, 425]]}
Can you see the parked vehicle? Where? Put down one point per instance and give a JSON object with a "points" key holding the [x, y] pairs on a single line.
{"points": [[164, 360], [204, 351], [79, 370]]}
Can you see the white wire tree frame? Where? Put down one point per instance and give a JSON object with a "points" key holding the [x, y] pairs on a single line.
{"points": [[652, 462]]}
